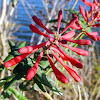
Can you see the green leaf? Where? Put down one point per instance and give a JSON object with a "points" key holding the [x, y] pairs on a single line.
{"points": [[14, 52], [22, 44], [13, 2], [89, 30], [9, 57], [8, 78], [11, 43], [50, 80], [81, 57], [46, 81], [14, 80], [81, 19], [1, 67], [17, 93], [38, 82], [14, 48], [23, 87], [6, 94], [2, 83], [72, 11], [84, 24], [54, 89], [23, 66], [44, 61]]}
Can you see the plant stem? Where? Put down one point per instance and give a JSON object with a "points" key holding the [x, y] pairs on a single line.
{"points": [[74, 4]]}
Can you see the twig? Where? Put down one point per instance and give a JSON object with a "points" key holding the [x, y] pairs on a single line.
{"points": [[95, 88], [3, 11], [45, 94]]}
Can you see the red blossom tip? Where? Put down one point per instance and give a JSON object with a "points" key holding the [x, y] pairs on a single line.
{"points": [[93, 37], [76, 50], [34, 48], [70, 24], [87, 3], [60, 54], [70, 71], [94, 33], [27, 49], [32, 71], [74, 26], [68, 35], [91, 10], [98, 38], [87, 15], [73, 61], [82, 12], [73, 73], [59, 20], [39, 22], [80, 42], [57, 73], [36, 30], [15, 60], [96, 25]]}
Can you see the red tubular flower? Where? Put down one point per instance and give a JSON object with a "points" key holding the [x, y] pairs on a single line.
{"points": [[68, 35], [60, 54], [87, 16], [78, 26], [28, 49], [94, 33], [97, 15], [15, 60], [73, 73], [76, 50], [74, 26], [57, 73], [39, 22], [63, 41], [95, 2], [32, 71], [98, 38], [70, 24], [98, 19], [34, 48], [72, 60], [36, 30], [70, 71], [82, 12], [96, 25], [80, 42], [91, 10], [87, 3], [93, 37], [59, 20]]}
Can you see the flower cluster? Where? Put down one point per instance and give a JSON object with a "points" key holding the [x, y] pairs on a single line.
{"points": [[52, 47], [93, 20]]}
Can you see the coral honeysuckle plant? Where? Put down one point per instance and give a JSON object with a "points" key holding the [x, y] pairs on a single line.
{"points": [[51, 51], [52, 44]]}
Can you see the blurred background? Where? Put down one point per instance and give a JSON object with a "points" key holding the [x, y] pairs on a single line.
{"points": [[15, 19]]}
